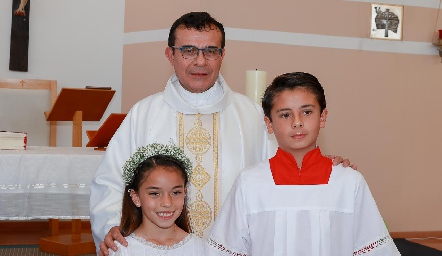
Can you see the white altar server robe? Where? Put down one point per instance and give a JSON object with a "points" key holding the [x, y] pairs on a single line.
{"points": [[335, 219]]}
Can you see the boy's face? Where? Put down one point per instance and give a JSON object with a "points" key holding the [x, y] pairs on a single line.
{"points": [[296, 120]]}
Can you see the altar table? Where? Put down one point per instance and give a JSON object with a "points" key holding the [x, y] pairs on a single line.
{"points": [[47, 183]]}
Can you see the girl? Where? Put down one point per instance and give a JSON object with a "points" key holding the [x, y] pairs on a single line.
{"points": [[154, 212]]}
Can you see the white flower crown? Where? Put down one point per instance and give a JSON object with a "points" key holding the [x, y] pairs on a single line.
{"points": [[143, 153]]}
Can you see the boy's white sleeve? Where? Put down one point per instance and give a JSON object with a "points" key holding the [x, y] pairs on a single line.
{"points": [[371, 236], [229, 234]]}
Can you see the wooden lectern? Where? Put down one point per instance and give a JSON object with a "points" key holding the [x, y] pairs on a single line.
{"points": [[76, 105]]}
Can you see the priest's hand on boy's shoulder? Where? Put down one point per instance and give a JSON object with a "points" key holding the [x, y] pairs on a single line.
{"points": [[345, 162]]}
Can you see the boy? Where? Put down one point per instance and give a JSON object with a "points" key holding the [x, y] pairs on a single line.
{"points": [[297, 203]]}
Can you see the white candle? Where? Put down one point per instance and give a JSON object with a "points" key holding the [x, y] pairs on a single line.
{"points": [[256, 84]]}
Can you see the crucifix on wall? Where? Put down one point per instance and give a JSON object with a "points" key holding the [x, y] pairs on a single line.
{"points": [[18, 55], [386, 21]]}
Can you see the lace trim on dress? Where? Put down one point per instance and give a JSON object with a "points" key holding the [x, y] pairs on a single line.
{"points": [[162, 247], [224, 249], [373, 246]]}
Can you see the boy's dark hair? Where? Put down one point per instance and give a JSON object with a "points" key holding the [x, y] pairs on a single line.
{"points": [[201, 21], [131, 216], [291, 81]]}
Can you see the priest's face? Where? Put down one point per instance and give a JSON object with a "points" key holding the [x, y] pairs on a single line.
{"points": [[196, 74], [296, 121]]}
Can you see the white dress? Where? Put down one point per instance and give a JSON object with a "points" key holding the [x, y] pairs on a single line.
{"points": [[191, 245], [242, 141], [335, 219]]}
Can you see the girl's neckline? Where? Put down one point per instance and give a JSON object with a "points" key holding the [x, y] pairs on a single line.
{"points": [[162, 247]]}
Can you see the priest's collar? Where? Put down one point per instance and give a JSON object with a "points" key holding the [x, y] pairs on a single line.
{"points": [[316, 168], [216, 99], [196, 100]]}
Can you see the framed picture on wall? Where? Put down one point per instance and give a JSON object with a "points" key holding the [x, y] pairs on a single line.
{"points": [[386, 21]]}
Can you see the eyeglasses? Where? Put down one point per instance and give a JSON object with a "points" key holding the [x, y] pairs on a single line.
{"points": [[191, 52]]}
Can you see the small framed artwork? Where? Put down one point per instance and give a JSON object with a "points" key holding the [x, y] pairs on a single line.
{"points": [[386, 21]]}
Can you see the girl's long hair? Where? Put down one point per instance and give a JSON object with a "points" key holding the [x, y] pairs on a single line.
{"points": [[131, 215]]}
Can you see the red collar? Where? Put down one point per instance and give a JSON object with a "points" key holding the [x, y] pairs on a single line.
{"points": [[316, 169]]}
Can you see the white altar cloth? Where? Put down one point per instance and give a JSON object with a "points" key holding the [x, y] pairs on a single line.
{"points": [[47, 182]]}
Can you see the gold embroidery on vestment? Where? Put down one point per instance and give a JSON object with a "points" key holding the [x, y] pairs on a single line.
{"points": [[215, 165], [198, 142], [181, 130]]}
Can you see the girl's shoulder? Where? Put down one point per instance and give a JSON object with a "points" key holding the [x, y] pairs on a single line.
{"points": [[136, 246], [122, 250]]}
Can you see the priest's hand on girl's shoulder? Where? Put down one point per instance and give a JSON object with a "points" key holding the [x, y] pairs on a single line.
{"points": [[114, 234]]}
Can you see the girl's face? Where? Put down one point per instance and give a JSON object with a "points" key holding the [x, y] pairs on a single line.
{"points": [[161, 197]]}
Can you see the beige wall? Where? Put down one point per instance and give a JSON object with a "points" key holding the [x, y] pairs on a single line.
{"points": [[383, 103]]}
